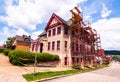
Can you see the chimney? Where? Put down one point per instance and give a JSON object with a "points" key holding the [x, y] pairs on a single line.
{"points": [[29, 36], [23, 36]]}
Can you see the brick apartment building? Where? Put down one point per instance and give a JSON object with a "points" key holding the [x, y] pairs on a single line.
{"points": [[72, 40]]}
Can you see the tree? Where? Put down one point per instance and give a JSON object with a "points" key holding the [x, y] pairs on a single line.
{"points": [[9, 42]]}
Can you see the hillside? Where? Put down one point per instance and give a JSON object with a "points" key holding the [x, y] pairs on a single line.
{"points": [[112, 52]]}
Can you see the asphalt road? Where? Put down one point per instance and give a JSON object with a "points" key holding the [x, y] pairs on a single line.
{"points": [[109, 74]]}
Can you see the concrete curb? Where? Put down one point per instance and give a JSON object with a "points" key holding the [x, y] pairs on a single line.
{"points": [[46, 79], [55, 77]]}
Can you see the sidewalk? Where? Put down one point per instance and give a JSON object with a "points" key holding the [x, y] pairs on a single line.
{"points": [[11, 73]]}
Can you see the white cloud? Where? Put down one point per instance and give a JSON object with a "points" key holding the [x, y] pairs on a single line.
{"points": [[109, 29], [105, 12], [7, 32], [20, 31], [35, 34], [28, 13]]}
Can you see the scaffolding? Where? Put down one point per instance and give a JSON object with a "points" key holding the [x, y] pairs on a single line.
{"points": [[85, 42]]}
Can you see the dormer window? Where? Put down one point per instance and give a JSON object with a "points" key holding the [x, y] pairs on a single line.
{"points": [[27, 40]]}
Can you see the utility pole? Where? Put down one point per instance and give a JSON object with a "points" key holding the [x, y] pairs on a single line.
{"points": [[35, 60]]}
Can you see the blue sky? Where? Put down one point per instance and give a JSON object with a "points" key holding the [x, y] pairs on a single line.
{"points": [[29, 17]]}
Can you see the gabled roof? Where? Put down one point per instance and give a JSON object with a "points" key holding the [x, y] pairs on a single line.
{"points": [[20, 38], [59, 21], [43, 33]]}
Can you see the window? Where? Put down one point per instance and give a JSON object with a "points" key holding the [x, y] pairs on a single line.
{"points": [[76, 47], [77, 60], [72, 46], [80, 48], [49, 33], [73, 60], [73, 33], [58, 45], [66, 31], [27, 40], [33, 47], [48, 45], [65, 45], [53, 45], [65, 61], [54, 31], [59, 30]]}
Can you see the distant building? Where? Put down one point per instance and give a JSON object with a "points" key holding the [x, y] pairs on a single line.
{"points": [[2, 47], [22, 42]]}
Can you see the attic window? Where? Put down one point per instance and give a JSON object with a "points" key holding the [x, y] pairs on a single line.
{"points": [[27, 40]]}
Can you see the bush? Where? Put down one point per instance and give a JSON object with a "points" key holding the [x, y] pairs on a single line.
{"points": [[19, 57], [6, 52], [1, 50], [116, 58], [45, 57]]}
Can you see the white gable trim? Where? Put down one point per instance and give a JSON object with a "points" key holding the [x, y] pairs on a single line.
{"points": [[54, 21]]}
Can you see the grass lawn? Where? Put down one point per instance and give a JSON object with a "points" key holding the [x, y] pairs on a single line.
{"points": [[1, 53], [43, 75]]}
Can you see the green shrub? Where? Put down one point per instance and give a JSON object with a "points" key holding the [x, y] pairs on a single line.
{"points": [[19, 57], [1, 50], [116, 57], [45, 57], [6, 52]]}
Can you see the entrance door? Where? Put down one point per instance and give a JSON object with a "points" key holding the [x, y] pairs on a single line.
{"points": [[65, 61], [41, 47]]}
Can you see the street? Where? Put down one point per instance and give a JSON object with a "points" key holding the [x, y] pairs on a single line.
{"points": [[108, 74]]}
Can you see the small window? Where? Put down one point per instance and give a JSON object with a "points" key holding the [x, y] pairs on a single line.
{"points": [[53, 45], [49, 33], [58, 45], [72, 46], [48, 45], [77, 60], [33, 45], [54, 31], [73, 33], [65, 45], [59, 30], [66, 31], [27, 40], [76, 47], [73, 60]]}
